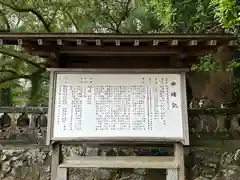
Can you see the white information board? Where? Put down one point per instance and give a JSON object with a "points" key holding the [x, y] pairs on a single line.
{"points": [[118, 106]]}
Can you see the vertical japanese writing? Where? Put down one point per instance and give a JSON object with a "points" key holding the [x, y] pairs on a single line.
{"points": [[59, 95], [121, 106], [167, 93], [173, 95]]}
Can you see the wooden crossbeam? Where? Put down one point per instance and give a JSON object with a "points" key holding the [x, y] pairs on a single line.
{"points": [[151, 162]]}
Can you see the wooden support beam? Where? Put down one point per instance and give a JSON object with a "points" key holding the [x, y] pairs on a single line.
{"points": [[115, 53], [56, 147], [114, 50], [117, 42], [1, 42], [172, 174], [59, 42], [62, 174], [179, 159], [151, 162], [114, 36]]}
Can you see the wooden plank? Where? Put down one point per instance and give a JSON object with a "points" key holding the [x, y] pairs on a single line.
{"points": [[118, 53], [194, 138], [179, 158], [62, 174], [50, 105], [172, 174], [114, 36], [119, 139], [184, 109], [55, 160], [113, 144], [109, 50], [151, 162], [131, 71]]}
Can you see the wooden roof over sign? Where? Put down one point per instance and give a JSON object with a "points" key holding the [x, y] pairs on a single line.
{"points": [[120, 44], [48, 45]]}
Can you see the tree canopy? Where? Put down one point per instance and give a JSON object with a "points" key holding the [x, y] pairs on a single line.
{"points": [[26, 74]]}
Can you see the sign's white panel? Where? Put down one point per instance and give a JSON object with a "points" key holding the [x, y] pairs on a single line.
{"points": [[118, 106]]}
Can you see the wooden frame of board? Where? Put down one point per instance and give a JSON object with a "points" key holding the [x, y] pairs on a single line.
{"points": [[174, 165], [181, 72]]}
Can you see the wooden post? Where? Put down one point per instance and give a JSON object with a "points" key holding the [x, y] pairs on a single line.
{"points": [[56, 148], [62, 174], [172, 174], [179, 158]]}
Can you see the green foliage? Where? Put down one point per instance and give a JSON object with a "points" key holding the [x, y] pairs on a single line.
{"points": [[227, 12], [206, 64], [116, 16], [6, 96]]}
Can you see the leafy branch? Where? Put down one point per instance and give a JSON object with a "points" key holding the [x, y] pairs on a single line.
{"points": [[125, 14], [27, 10], [110, 19], [115, 25], [54, 15], [73, 21], [5, 20], [9, 71], [19, 56], [14, 76]]}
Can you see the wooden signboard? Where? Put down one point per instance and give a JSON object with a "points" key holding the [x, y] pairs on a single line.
{"points": [[118, 105]]}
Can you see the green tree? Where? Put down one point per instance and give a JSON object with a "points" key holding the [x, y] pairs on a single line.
{"points": [[115, 16]]}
